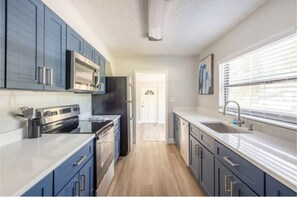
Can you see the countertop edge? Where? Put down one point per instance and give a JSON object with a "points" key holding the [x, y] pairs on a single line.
{"points": [[254, 162], [29, 185]]}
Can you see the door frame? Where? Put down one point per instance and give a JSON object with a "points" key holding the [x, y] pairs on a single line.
{"points": [[135, 96]]}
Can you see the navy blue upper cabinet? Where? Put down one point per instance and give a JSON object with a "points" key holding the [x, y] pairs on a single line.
{"points": [[25, 36], [100, 60], [54, 51], [89, 51], [74, 41], [2, 42], [42, 188], [275, 188]]}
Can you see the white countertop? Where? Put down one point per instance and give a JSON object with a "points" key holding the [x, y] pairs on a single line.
{"points": [[276, 157], [24, 163]]}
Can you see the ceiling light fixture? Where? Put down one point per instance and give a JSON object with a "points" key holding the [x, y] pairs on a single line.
{"points": [[157, 10]]}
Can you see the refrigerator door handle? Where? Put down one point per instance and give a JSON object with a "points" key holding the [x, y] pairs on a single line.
{"points": [[129, 101]]}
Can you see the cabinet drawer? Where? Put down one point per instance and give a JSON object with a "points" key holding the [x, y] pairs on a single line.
{"points": [[195, 132], [207, 141], [247, 172], [177, 118], [71, 166]]}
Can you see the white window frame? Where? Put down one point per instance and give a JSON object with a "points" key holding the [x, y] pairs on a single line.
{"points": [[232, 111]]}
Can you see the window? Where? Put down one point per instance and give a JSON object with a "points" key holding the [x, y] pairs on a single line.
{"points": [[264, 81]]}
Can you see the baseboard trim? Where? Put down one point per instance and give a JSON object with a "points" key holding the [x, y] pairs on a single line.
{"points": [[170, 141]]}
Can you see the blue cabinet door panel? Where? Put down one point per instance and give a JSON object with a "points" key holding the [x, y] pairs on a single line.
{"points": [[74, 41], [72, 188], [72, 165], [2, 43], [206, 170], [89, 51], [117, 144], [275, 188], [86, 175], [102, 75], [25, 34], [194, 160], [55, 51], [42, 188]]}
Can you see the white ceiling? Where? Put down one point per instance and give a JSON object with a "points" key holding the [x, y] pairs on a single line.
{"points": [[191, 25]]}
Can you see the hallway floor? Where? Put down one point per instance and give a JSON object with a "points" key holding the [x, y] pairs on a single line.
{"points": [[151, 132], [153, 169]]}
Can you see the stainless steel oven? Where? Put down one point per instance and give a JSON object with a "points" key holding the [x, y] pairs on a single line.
{"points": [[82, 75], [104, 159]]}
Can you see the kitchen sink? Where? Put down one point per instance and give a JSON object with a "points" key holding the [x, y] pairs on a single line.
{"points": [[224, 128]]}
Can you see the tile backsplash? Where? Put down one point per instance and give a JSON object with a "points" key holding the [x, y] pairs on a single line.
{"points": [[11, 100]]}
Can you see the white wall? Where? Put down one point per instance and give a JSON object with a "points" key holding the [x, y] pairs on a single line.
{"points": [[274, 19], [161, 98], [182, 88]]}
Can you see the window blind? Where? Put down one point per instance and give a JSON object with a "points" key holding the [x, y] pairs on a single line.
{"points": [[264, 81]]}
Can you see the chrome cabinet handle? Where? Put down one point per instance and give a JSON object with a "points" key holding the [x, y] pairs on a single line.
{"points": [[77, 189], [98, 81], [196, 152], [84, 185], [80, 161], [227, 177], [49, 76], [41, 75], [232, 185], [230, 162], [199, 152]]}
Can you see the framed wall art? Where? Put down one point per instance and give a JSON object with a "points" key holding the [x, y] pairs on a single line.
{"points": [[205, 76]]}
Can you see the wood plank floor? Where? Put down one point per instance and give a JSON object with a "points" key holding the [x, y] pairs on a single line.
{"points": [[153, 169], [151, 132]]}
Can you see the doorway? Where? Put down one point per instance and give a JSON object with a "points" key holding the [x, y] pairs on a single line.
{"points": [[151, 106]]}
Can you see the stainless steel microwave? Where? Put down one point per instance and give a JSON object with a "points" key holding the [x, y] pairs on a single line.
{"points": [[82, 74]]}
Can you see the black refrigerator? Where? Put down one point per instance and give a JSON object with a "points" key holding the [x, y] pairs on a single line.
{"points": [[117, 101]]}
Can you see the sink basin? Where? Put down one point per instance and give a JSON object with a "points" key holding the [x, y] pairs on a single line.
{"points": [[224, 128]]}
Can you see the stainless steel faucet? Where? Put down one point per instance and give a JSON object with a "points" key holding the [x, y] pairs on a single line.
{"points": [[239, 120]]}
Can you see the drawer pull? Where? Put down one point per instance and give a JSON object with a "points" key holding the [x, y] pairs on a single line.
{"points": [[227, 177], [232, 185], [80, 161], [230, 162], [199, 152]]}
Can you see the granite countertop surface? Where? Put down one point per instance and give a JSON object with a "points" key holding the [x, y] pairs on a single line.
{"points": [[277, 157], [24, 163]]}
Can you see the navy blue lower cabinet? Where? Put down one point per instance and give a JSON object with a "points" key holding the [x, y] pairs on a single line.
{"points": [[86, 175], [206, 170], [25, 37], [275, 188], [72, 188], [42, 188], [54, 51], [177, 132], [227, 184], [194, 160], [2, 42]]}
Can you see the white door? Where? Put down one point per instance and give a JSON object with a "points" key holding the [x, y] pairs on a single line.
{"points": [[149, 105]]}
